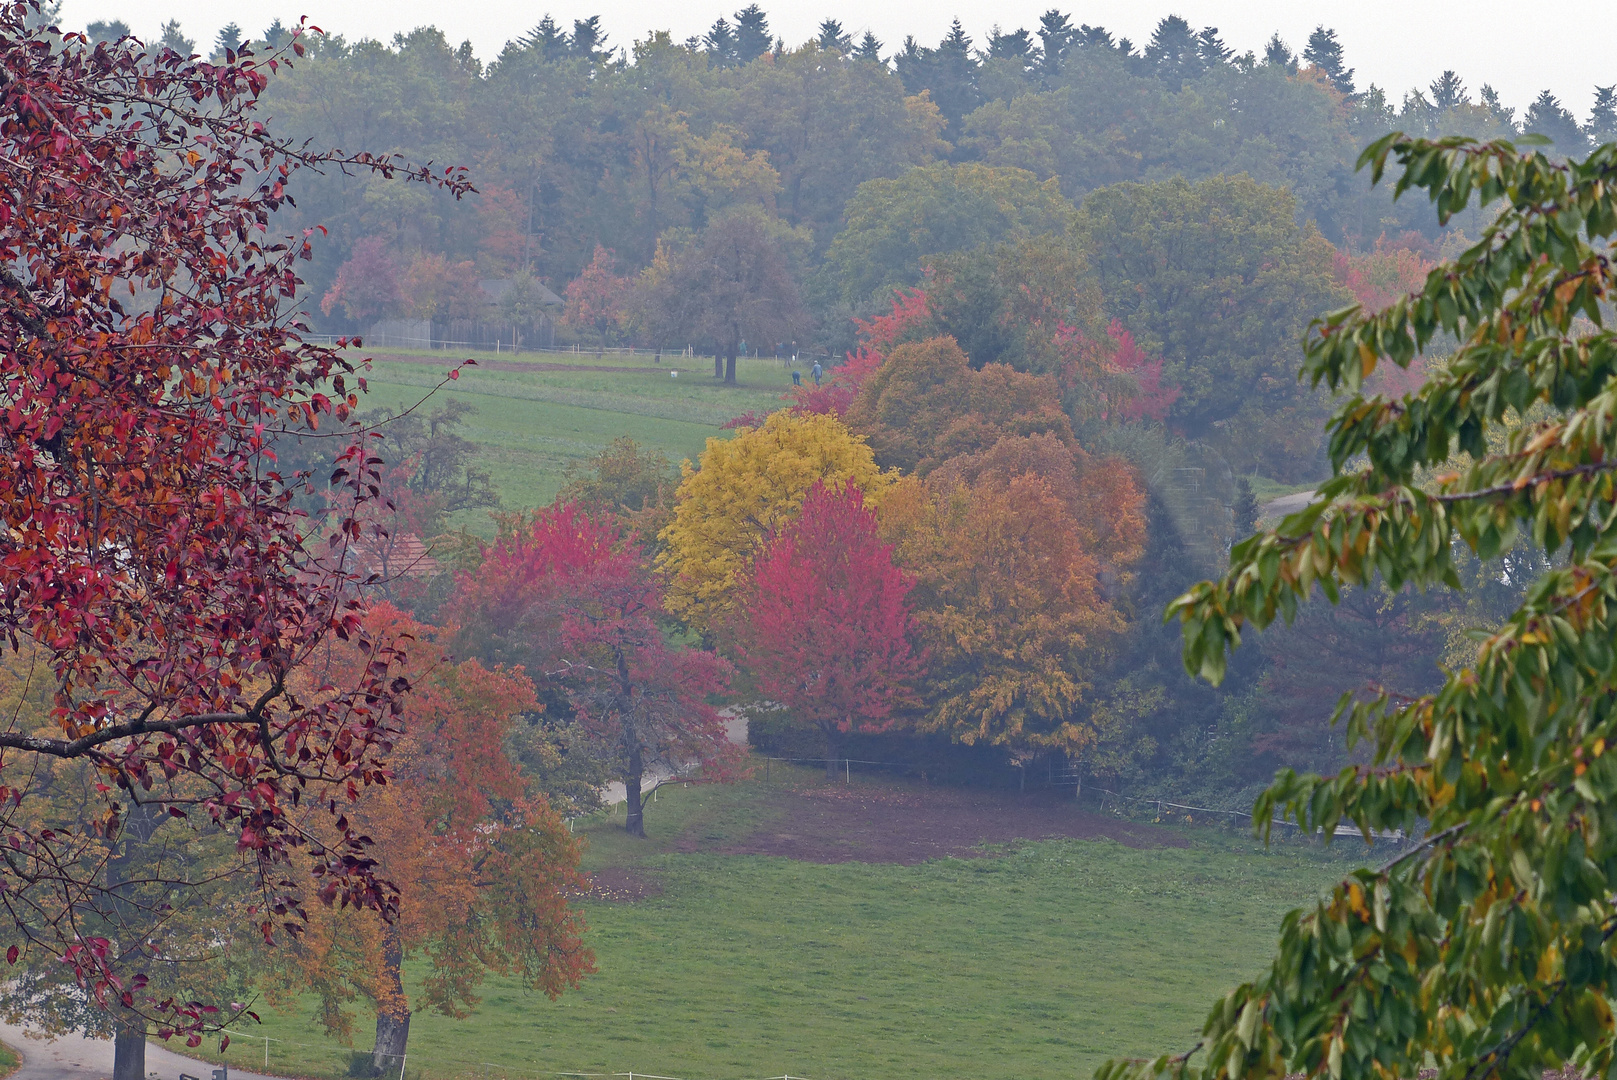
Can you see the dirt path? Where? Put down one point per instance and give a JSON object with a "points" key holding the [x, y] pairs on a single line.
{"points": [[74, 1057], [449, 358]]}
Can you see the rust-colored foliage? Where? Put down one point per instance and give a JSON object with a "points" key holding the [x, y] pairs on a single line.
{"points": [[149, 547], [1376, 278], [484, 869], [925, 404], [1011, 591]]}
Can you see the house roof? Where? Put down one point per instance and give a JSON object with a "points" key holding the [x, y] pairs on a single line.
{"points": [[401, 555]]}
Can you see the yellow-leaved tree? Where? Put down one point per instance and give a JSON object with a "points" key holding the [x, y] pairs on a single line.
{"points": [[744, 487]]}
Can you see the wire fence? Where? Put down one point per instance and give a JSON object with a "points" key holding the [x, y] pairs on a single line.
{"points": [[1108, 800], [580, 350], [1397, 836]]}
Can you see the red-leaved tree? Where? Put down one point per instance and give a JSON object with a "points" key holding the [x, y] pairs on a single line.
{"points": [[572, 599], [152, 565], [367, 285], [826, 626]]}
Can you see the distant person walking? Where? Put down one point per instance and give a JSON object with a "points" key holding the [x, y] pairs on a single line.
{"points": [[816, 371], [797, 377]]}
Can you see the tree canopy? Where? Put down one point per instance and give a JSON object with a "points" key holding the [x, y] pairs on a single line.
{"points": [[1484, 948]]}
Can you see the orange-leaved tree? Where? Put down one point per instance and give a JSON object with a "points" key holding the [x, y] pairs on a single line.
{"points": [[1013, 550], [596, 298], [484, 868], [925, 404]]}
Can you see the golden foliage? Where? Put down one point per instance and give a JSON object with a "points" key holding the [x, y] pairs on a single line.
{"points": [[745, 487]]}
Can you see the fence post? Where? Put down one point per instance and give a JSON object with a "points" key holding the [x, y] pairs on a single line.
{"points": [[847, 771]]}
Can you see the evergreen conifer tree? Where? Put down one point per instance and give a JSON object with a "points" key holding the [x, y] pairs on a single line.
{"points": [[869, 48], [752, 33], [1548, 117], [1278, 54], [1325, 53], [833, 38]]}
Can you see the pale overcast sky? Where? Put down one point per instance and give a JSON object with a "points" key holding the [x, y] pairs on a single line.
{"points": [[1568, 47]]}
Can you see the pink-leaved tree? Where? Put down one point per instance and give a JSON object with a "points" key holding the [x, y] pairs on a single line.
{"points": [[827, 628]]}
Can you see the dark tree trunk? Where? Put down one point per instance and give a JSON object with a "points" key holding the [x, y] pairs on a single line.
{"points": [[129, 1051], [634, 821], [833, 745], [718, 363], [730, 366], [393, 1013]]}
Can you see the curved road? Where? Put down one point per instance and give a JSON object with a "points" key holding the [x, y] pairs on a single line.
{"points": [[74, 1057]]}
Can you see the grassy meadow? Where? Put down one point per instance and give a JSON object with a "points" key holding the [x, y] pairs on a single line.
{"points": [[532, 423], [1042, 959], [1038, 959]]}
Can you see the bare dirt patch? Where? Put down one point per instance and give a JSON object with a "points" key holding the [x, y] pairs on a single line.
{"points": [[620, 885], [833, 824]]}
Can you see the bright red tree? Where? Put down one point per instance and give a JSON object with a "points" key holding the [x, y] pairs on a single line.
{"points": [[150, 555], [827, 621], [1151, 398]]}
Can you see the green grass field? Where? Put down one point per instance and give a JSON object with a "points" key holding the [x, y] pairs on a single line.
{"points": [[533, 423], [8, 1060], [1042, 960]]}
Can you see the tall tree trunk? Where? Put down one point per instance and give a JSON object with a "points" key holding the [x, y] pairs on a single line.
{"points": [[730, 366], [634, 821], [393, 1011], [718, 363], [129, 1034], [129, 1050]]}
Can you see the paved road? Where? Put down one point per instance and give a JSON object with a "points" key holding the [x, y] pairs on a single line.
{"points": [[1286, 504], [74, 1057]]}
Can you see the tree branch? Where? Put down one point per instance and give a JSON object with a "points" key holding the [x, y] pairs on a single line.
{"points": [[141, 725]]}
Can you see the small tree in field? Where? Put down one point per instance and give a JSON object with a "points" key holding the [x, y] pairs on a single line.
{"points": [[731, 284], [153, 568], [367, 285], [825, 624], [596, 298], [571, 598]]}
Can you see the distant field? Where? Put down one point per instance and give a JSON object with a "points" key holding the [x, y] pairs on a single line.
{"points": [[535, 419], [1039, 961]]}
